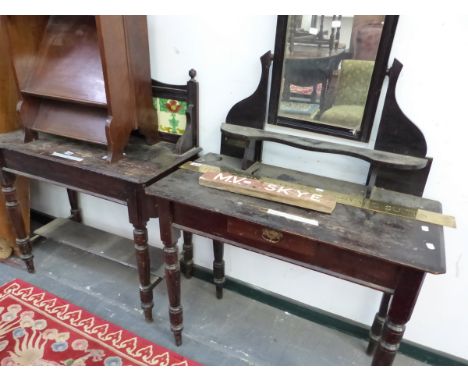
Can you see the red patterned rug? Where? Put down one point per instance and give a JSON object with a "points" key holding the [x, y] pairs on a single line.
{"points": [[38, 328]]}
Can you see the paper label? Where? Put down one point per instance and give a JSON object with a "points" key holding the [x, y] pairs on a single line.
{"points": [[66, 155], [293, 217]]}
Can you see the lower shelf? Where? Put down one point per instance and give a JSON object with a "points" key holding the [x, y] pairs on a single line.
{"points": [[99, 243]]}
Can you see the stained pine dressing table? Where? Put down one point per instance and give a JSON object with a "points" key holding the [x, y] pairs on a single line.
{"points": [[383, 251], [379, 251]]}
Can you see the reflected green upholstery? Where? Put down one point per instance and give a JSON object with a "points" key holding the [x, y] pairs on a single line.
{"points": [[344, 115], [351, 94]]}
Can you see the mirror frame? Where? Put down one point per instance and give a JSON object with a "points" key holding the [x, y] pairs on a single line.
{"points": [[380, 69]]}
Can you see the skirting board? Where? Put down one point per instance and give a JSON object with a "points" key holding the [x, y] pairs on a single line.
{"points": [[330, 320]]}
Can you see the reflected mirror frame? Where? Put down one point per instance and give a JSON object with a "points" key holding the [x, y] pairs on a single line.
{"points": [[380, 69]]}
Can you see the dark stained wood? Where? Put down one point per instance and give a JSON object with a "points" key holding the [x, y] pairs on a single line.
{"points": [[186, 262], [193, 101], [401, 308], [383, 252], [187, 93], [172, 271], [398, 134], [293, 248], [140, 238], [218, 268], [141, 164], [277, 70], [250, 112], [378, 324], [75, 212], [352, 227], [139, 212], [380, 158], [380, 69], [190, 136], [14, 210]]}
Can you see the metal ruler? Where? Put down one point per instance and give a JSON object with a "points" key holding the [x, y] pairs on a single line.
{"points": [[345, 199]]}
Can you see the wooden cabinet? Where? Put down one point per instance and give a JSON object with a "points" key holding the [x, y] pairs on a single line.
{"points": [[83, 77], [8, 122]]}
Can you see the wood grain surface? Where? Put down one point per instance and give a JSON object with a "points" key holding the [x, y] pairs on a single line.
{"points": [[312, 198]]}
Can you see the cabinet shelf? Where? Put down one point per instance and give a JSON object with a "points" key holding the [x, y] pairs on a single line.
{"points": [[68, 63], [71, 121], [65, 99]]}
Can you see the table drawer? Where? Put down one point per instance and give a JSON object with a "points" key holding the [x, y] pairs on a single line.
{"points": [[269, 238], [322, 257]]}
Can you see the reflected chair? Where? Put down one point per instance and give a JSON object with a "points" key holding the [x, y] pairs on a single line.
{"points": [[351, 94]]}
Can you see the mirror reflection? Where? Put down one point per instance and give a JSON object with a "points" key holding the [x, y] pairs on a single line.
{"points": [[328, 66]]}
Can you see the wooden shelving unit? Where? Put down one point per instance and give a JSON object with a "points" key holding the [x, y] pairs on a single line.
{"points": [[83, 77]]}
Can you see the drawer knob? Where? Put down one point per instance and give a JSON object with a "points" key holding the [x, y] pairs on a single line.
{"points": [[271, 236]]}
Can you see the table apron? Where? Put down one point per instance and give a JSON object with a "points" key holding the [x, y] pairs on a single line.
{"points": [[323, 257], [100, 185]]}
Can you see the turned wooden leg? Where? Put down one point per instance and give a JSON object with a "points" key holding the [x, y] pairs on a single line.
{"points": [[74, 208], [218, 268], [19, 228], [377, 325], [187, 260], [172, 271], [401, 308], [140, 237]]}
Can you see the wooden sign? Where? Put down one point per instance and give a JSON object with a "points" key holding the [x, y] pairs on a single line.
{"points": [[306, 197], [357, 201]]}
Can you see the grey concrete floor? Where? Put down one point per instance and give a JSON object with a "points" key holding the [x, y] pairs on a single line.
{"points": [[233, 331]]}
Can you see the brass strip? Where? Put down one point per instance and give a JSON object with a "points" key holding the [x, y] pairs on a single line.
{"points": [[346, 199]]}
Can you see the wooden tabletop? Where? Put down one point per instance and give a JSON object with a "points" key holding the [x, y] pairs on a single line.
{"points": [[141, 164], [392, 238]]}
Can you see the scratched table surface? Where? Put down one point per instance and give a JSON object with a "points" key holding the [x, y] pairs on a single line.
{"points": [[396, 239], [141, 164]]}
